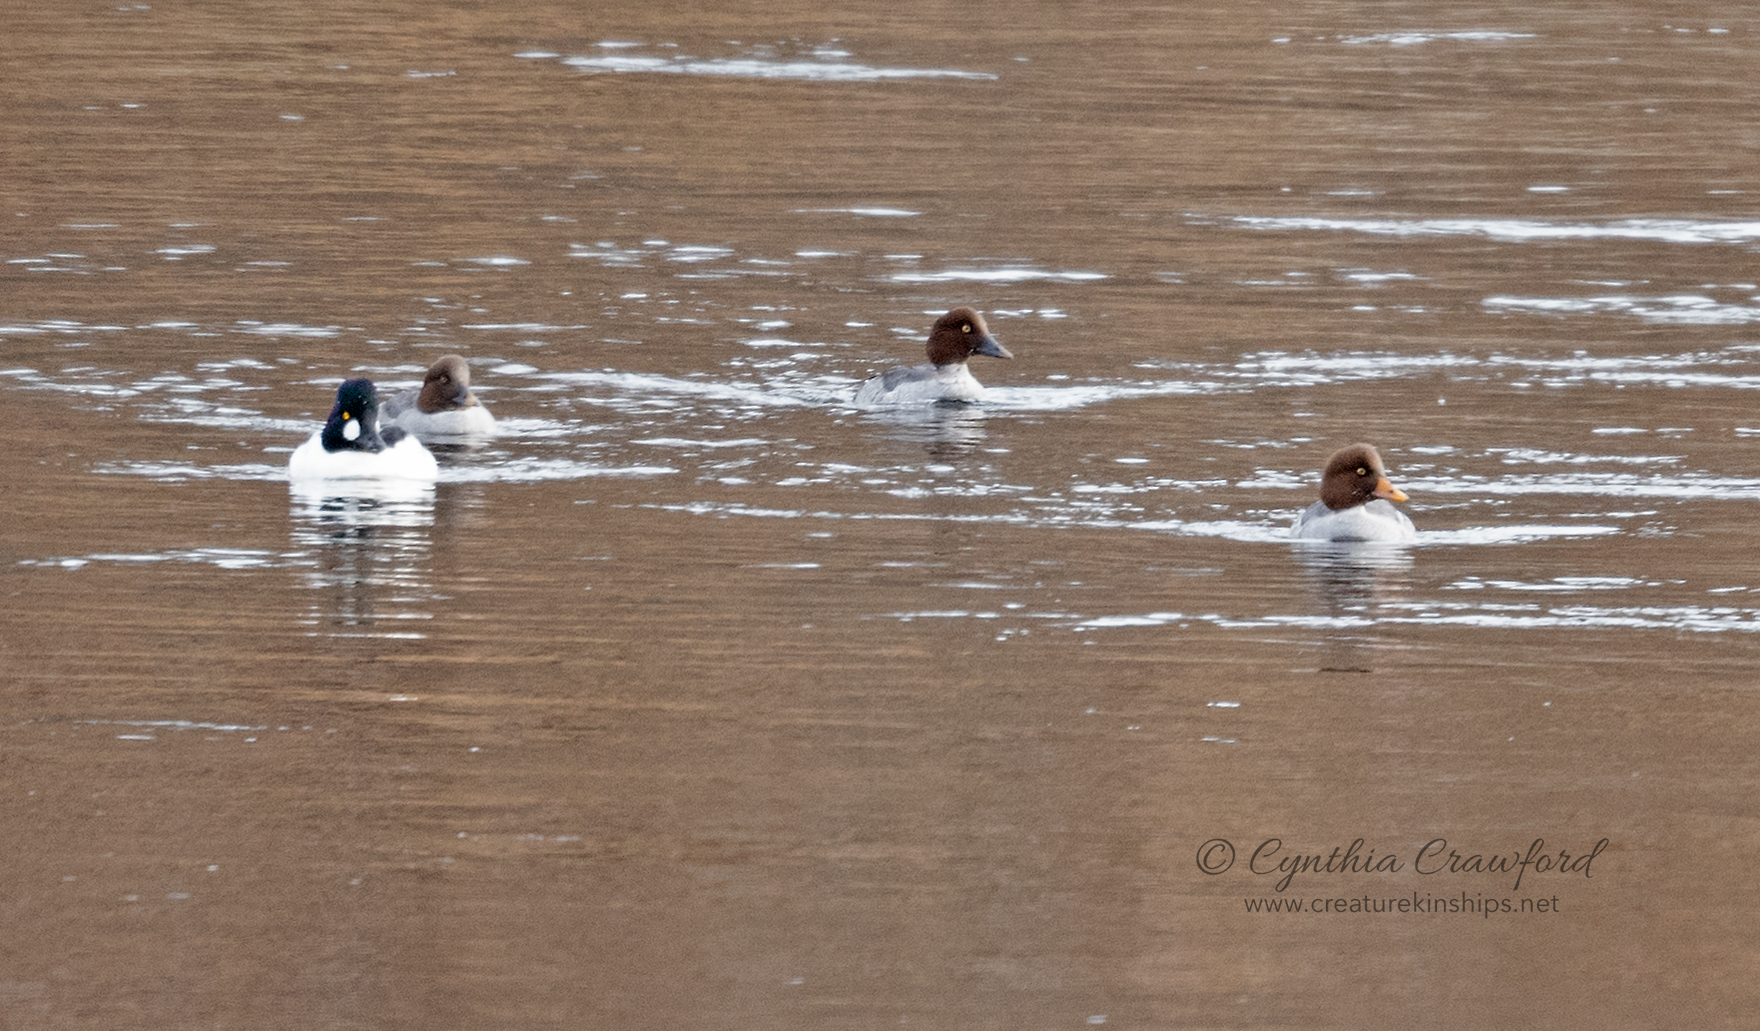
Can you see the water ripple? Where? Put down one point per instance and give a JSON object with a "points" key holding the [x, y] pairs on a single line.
{"points": [[995, 275], [1681, 309], [819, 64], [1661, 230], [1693, 618], [223, 558], [1418, 37]]}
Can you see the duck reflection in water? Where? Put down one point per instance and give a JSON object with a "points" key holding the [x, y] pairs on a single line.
{"points": [[1354, 582], [1352, 545], [946, 430], [370, 549]]}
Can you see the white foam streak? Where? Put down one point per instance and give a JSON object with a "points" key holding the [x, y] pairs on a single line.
{"points": [[223, 558], [1000, 275], [1693, 618], [635, 385], [1412, 38], [1591, 484], [538, 470], [1659, 230], [823, 70], [1680, 309]]}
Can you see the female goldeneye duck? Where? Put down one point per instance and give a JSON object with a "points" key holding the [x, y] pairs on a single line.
{"points": [[1356, 502], [957, 336], [443, 406], [351, 446]]}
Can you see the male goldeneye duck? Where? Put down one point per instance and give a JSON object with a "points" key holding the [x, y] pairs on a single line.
{"points": [[443, 406], [1356, 502], [957, 336], [351, 446]]}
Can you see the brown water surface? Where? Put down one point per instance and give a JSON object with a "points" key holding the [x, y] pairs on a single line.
{"points": [[700, 698]]}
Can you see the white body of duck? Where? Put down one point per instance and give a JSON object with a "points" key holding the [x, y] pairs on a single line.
{"points": [[351, 447], [1356, 502], [955, 337], [443, 406]]}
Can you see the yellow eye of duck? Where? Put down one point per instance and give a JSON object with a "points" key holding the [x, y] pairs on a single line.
{"points": [[967, 328], [1362, 471], [346, 416]]}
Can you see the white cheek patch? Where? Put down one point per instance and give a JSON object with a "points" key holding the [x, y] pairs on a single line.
{"points": [[351, 430]]}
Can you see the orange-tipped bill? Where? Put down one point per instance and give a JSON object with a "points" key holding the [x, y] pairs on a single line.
{"points": [[1385, 489]]}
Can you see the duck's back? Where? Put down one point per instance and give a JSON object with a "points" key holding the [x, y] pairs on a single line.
{"points": [[925, 382], [404, 410]]}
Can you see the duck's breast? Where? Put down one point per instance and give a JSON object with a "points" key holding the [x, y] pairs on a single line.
{"points": [[1377, 520]]}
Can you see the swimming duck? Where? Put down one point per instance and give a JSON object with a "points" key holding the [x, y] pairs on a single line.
{"points": [[443, 406], [957, 336], [351, 446], [1356, 502]]}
